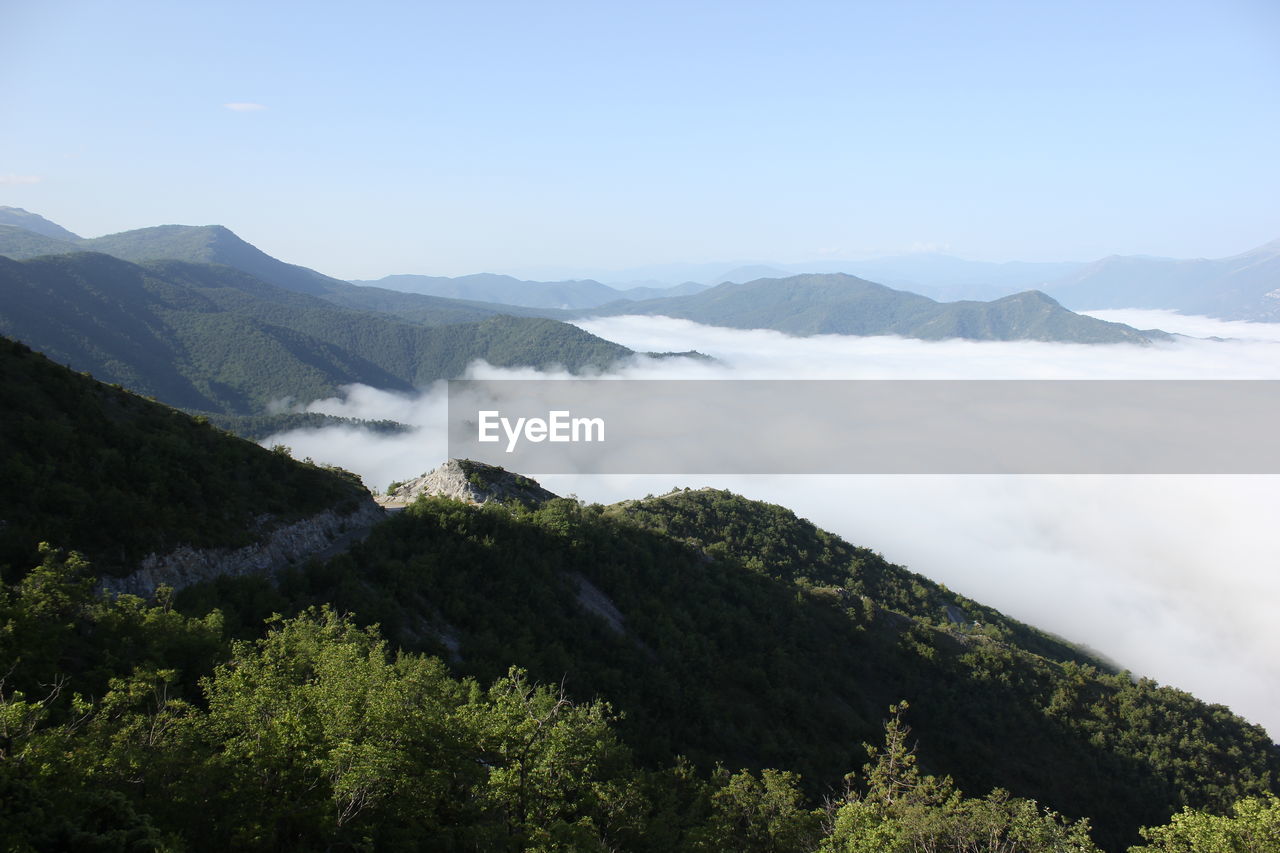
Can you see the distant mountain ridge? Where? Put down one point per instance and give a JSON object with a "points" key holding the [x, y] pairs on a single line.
{"points": [[35, 223], [1240, 287], [507, 290], [838, 304], [1243, 286]]}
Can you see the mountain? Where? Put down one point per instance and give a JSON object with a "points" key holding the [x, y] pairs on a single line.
{"points": [[932, 274], [948, 278], [711, 665], [21, 244], [507, 291], [212, 338], [118, 477], [214, 244], [33, 222], [642, 291], [844, 305], [1241, 287], [209, 244], [487, 287], [732, 632], [739, 275]]}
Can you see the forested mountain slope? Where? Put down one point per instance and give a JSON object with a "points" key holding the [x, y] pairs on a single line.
{"points": [[116, 477], [211, 338], [731, 631]]}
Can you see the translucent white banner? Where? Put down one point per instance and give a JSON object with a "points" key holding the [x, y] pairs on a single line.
{"points": [[868, 426]]}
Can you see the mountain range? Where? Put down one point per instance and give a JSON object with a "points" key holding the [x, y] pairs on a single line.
{"points": [[830, 304], [838, 304], [504, 289], [1233, 288]]}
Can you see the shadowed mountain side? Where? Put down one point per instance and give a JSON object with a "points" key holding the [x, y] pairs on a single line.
{"points": [[844, 305], [215, 339], [118, 477], [20, 244]]}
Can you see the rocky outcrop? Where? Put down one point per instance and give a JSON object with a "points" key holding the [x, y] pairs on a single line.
{"points": [[320, 535], [470, 482]]}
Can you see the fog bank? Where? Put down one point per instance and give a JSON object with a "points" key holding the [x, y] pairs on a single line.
{"points": [[1173, 577]]}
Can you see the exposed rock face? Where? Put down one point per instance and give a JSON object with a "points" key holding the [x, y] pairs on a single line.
{"points": [[319, 535], [471, 482], [591, 599]]}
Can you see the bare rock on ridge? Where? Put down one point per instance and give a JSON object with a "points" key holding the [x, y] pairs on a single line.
{"points": [[470, 482]]}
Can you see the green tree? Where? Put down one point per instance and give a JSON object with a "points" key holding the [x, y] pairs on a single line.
{"points": [[315, 731], [767, 814], [1253, 827], [903, 810]]}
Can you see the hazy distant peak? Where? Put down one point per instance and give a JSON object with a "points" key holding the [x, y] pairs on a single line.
{"points": [[748, 273], [1031, 296], [35, 223], [1266, 250]]}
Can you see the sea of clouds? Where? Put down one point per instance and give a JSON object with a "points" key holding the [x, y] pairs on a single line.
{"points": [[1174, 578]]}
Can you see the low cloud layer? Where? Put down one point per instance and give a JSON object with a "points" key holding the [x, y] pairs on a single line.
{"points": [[1172, 577]]}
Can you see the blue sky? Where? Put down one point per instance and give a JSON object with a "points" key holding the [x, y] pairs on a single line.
{"points": [[450, 138]]}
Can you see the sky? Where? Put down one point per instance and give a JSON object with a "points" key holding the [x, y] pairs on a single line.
{"points": [[453, 138], [1172, 577]]}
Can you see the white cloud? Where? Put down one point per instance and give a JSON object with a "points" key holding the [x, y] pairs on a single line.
{"points": [[244, 107], [1184, 324], [20, 179], [1173, 577]]}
